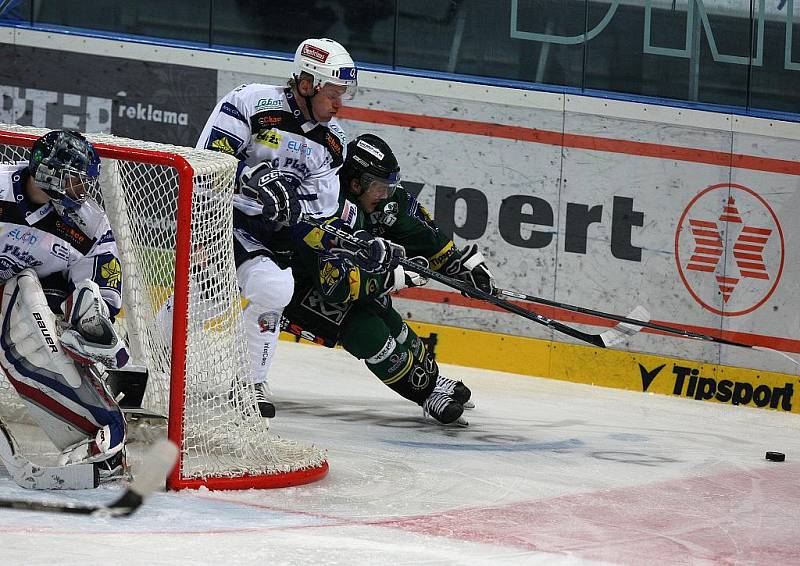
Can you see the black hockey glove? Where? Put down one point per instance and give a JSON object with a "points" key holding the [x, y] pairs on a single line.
{"points": [[381, 255], [277, 197], [401, 277], [471, 267]]}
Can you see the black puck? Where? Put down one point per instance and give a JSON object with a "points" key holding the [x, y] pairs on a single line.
{"points": [[776, 456]]}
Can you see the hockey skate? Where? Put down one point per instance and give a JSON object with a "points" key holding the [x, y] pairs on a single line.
{"points": [[455, 389], [444, 409], [240, 397], [263, 400]]}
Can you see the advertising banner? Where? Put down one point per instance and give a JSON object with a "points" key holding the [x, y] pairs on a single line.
{"points": [[683, 215], [137, 99]]}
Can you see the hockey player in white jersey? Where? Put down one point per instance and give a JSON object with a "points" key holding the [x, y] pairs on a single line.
{"points": [[54, 235], [290, 148], [293, 128]]}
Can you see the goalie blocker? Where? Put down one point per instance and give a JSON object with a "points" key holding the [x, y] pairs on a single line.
{"points": [[68, 400]]}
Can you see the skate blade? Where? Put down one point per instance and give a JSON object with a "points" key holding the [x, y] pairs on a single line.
{"points": [[460, 421], [469, 405]]}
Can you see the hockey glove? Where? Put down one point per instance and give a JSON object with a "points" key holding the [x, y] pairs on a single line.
{"points": [[402, 277], [92, 337], [277, 197], [471, 267], [381, 255]]}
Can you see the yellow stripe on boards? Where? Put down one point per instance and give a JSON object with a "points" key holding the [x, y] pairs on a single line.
{"points": [[613, 368]]}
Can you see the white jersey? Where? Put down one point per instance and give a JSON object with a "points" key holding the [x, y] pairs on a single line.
{"points": [[79, 247], [262, 123]]}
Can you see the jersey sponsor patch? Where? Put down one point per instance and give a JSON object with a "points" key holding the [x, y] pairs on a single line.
{"points": [[329, 140], [334, 143], [269, 138], [224, 142], [70, 234], [268, 103], [108, 272], [59, 251], [268, 120], [231, 110], [349, 213]]}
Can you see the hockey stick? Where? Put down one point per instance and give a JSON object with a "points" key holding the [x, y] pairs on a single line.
{"points": [[641, 323], [604, 340], [157, 463]]}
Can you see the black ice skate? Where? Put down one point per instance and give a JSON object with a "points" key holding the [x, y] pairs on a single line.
{"points": [[455, 389], [263, 400], [444, 409]]}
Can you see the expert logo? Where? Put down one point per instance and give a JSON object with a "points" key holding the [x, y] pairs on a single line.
{"points": [[729, 249]]}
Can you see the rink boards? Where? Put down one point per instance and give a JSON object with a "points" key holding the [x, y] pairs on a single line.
{"points": [[588, 201]]}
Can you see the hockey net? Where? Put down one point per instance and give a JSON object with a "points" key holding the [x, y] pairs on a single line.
{"points": [[171, 212]]}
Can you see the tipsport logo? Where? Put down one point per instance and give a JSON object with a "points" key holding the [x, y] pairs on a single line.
{"points": [[729, 249], [688, 382]]}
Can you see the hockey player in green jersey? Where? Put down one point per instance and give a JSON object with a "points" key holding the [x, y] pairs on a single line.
{"points": [[342, 292]]}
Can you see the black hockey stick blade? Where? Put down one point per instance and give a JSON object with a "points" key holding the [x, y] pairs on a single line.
{"points": [[157, 463]]}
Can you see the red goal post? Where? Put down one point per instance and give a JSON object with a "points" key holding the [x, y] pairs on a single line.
{"points": [[171, 211]]}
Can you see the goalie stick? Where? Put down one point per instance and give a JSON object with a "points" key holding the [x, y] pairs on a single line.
{"points": [[604, 340], [157, 463], [641, 323]]}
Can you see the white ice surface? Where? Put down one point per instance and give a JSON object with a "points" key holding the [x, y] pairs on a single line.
{"points": [[547, 473]]}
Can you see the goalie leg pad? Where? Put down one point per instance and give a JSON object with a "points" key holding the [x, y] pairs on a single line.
{"points": [[92, 337], [69, 402]]}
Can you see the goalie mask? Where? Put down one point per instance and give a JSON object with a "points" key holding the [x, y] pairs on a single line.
{"points": [[66, 167], [371, 162], [327, 62]]}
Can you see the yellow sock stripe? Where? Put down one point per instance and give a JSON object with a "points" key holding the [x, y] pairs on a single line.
{"points": [[402, 373]]}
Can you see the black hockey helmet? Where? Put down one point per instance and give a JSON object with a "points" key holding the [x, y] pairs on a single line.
{"points": [[66, 166], [370, 160]]}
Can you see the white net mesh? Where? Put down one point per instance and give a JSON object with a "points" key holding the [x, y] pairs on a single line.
{"points": [[221, 434]]}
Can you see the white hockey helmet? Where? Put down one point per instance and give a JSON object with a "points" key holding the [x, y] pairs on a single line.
{"points": [[328, 62]]}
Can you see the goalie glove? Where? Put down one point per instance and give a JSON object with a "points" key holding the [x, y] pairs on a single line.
{"points": [[92, 337], [401, 277], [271, 189], [471, 267]]}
